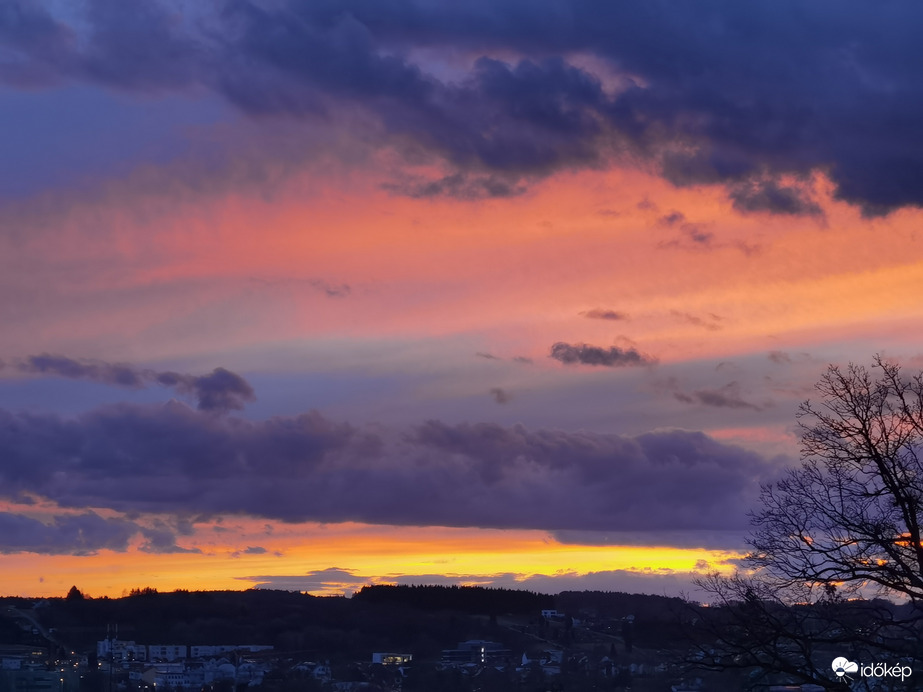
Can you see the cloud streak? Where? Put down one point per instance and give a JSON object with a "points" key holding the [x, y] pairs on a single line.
{"points": [[601, 314], [728, 396], [219, 391], [711, 322]]}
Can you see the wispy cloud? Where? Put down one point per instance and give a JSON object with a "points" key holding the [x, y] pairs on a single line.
{"points": [[612, 357], [601, 314], [728, 396], [711, 321], [221, 390]]}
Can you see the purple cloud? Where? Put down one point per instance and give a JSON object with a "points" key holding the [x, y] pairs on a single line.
{"points": [[221, 390], [175, 460], [702, 93], [79, 534], [323, 579], [612, 357]]}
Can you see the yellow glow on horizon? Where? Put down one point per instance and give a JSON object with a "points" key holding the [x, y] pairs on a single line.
{"points": [[378, 553]]}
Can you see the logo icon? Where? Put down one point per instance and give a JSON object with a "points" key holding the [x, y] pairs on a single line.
{"points": [[842, 667]]}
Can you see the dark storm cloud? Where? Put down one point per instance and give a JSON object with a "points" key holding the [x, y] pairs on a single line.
{"points": [[140, 45], [221, 390], [172, 459], [612, 357], [600, 314], [749, 95], [43, 43], [78, 534]]}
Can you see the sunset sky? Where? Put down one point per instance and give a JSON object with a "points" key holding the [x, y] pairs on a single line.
{"points": [[311, 295]]}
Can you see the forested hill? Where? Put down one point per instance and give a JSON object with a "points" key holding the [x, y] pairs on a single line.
{"points": [[473, 600]]}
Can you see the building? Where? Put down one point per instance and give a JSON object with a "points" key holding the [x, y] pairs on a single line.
{"points": [[120, 651], [392, 659], [166, 652], [476, 651]]}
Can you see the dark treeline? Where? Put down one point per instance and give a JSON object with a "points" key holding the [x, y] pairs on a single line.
{"points": [[320, 627], [617, 604], [472, 600]]}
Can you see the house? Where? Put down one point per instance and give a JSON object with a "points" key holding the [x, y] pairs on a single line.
{"points": [[166, 652], [476, 651], [120, 651], [392, 659]]}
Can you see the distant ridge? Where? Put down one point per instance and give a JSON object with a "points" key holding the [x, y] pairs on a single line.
{"points": [[473, 600]]}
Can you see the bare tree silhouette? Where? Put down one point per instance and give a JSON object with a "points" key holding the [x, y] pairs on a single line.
{"points": [[836, 561]]}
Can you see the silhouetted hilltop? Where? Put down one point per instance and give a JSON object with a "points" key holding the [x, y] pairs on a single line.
{"points": [[420, 619], [617, 604], [286, 620], [472, 600]]}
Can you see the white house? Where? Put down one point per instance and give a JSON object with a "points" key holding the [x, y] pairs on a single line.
{"points": [[166, 652], [120, 650]]}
